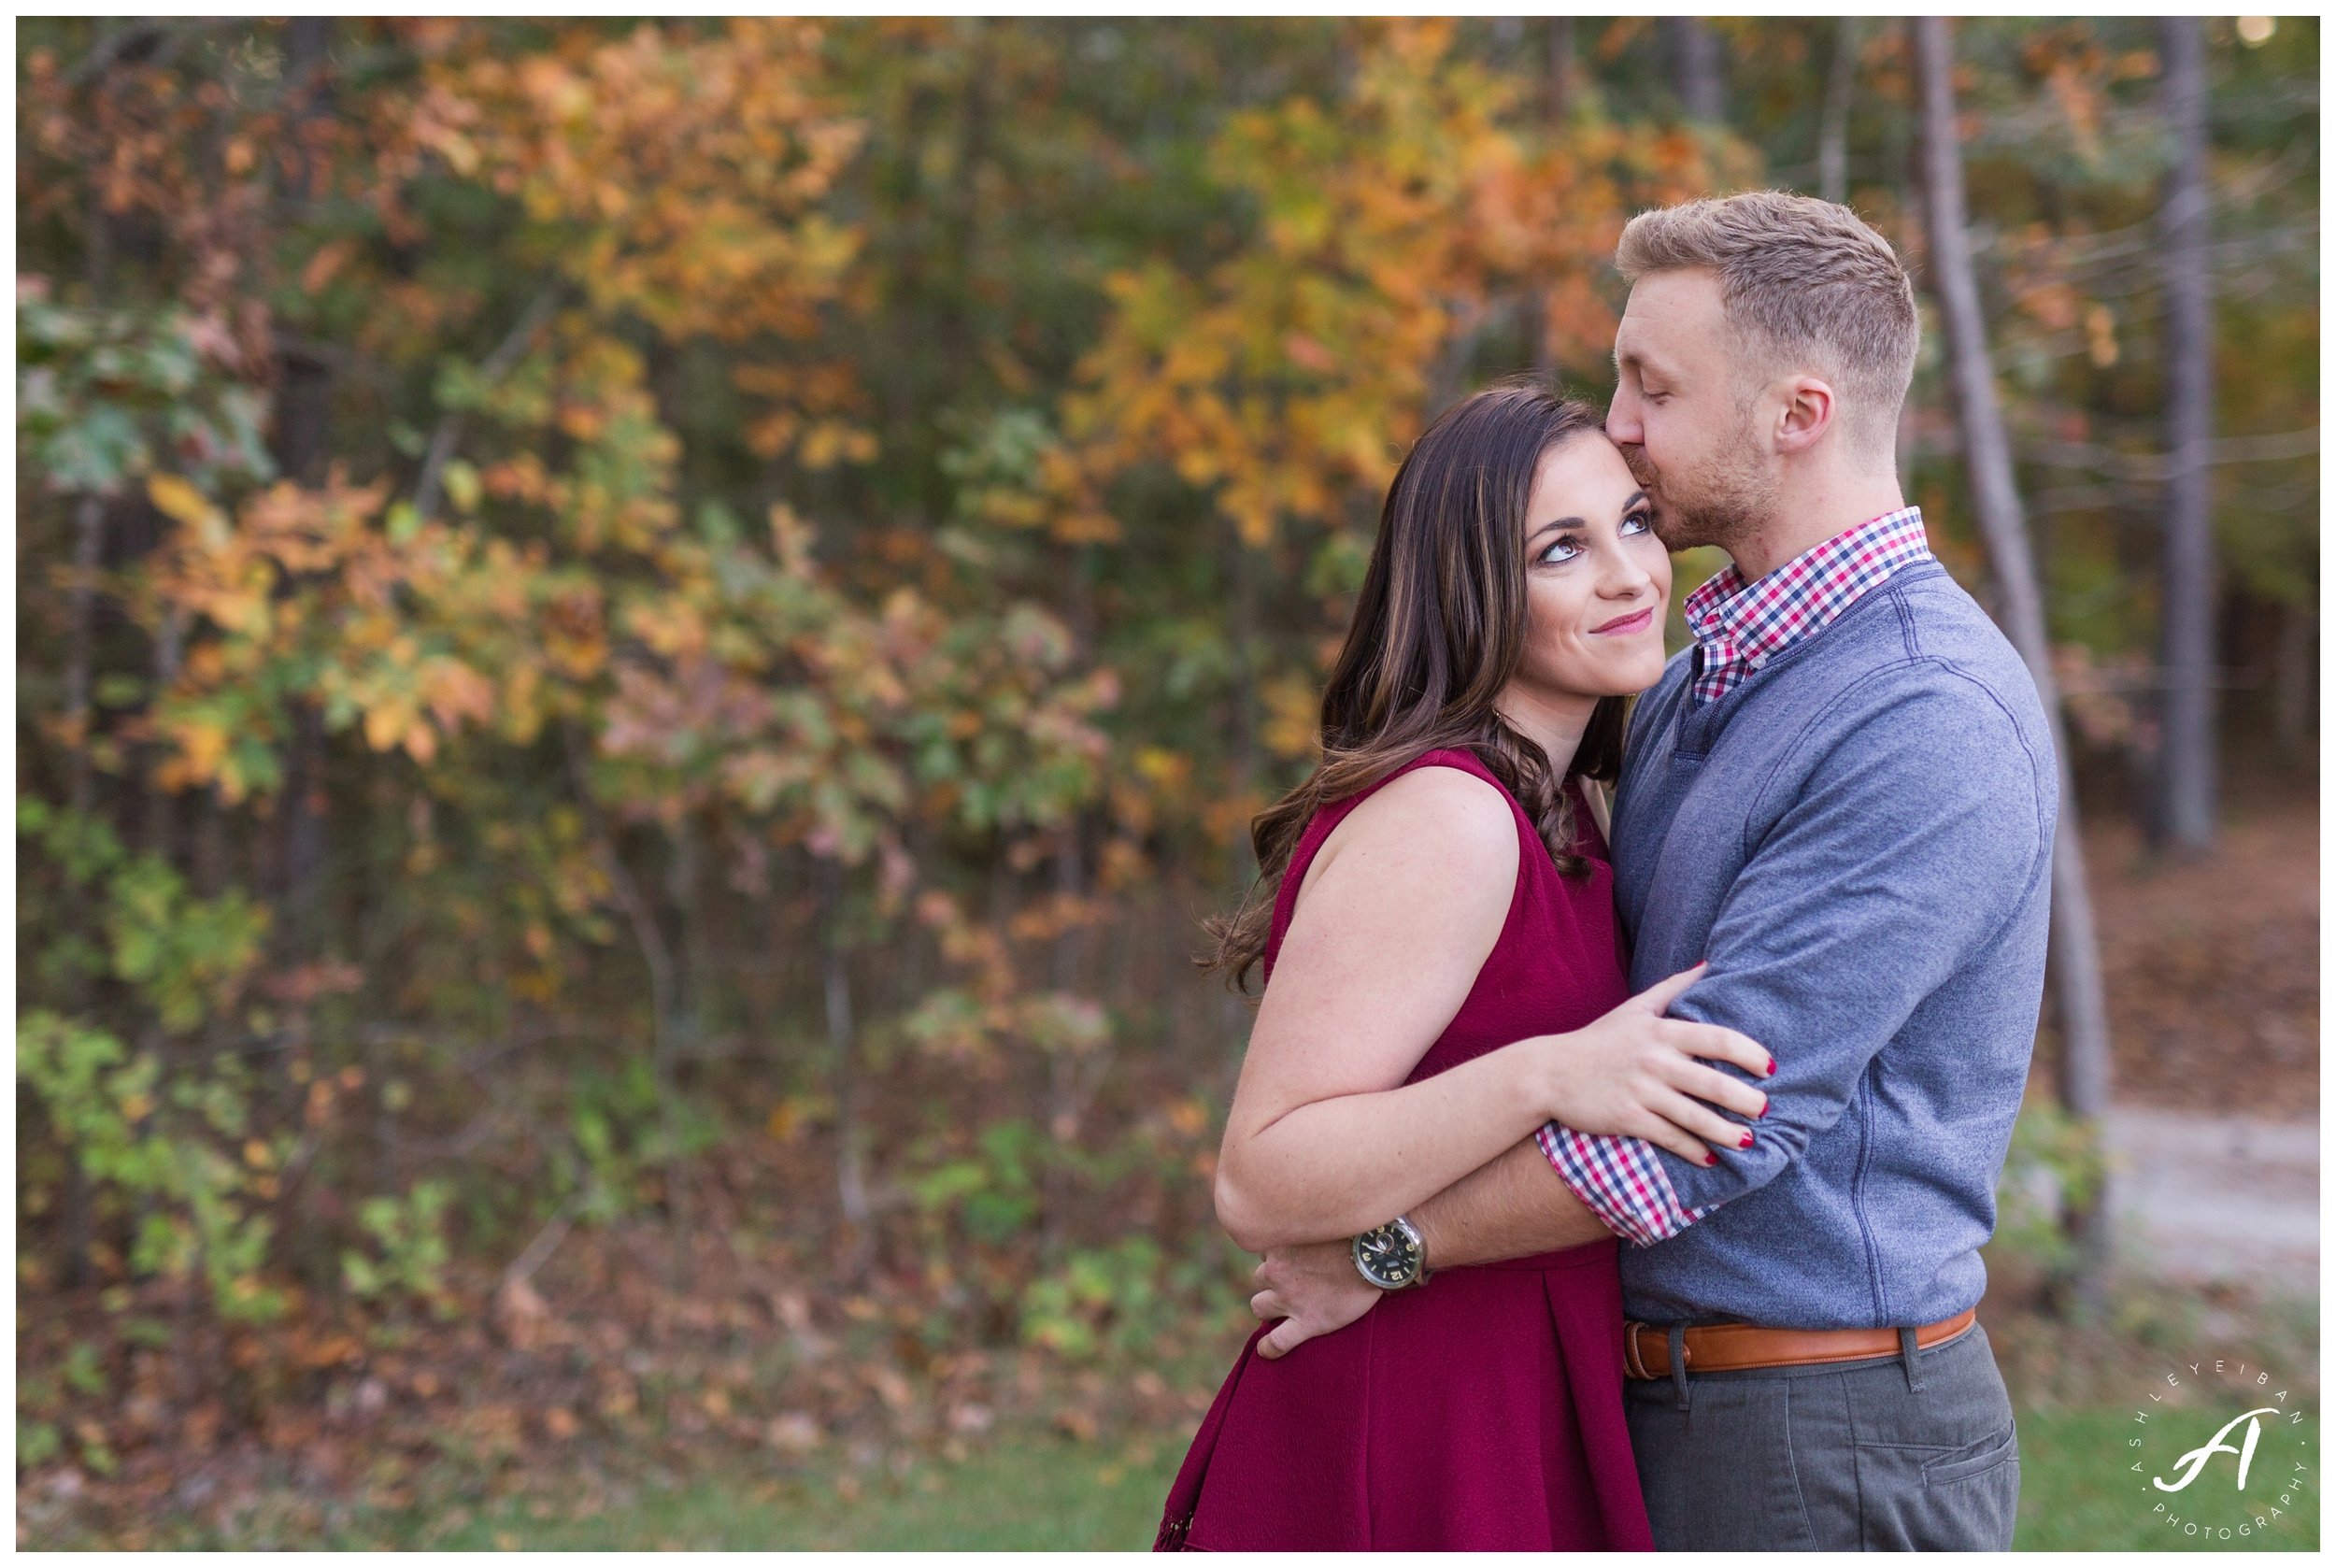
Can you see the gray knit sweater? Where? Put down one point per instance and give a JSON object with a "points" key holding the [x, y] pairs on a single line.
{"points": [[1860, 840]]}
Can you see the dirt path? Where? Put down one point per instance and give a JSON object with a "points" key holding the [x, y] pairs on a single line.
{"points": [[2212, 965], [2213, 968], [2206, 1198]]}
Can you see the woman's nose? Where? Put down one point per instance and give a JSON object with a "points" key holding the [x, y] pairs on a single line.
{"points": [[1624, 578]]}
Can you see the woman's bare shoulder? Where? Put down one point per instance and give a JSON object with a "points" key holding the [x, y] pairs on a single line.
{"points": [[1449, 805], [1420, 828]]}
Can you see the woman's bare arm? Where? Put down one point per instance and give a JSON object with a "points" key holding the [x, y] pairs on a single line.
{"points": [[1396, 915]]}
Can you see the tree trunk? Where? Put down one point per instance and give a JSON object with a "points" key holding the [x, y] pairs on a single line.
{"points": [[1695, 68], [160, 826], [302, 440], [1832, 136], [1065, 1104], [301, 857], [79, 1216], [851, 1178], [1559, 101], [308, 69], [954, 312], [211, 829], [88, 543], [2292, 683], [2083, 1008], [693, 967], [2186, 757], [664, 990]]}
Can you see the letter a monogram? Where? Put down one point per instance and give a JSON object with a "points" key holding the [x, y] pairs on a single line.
{"points": [[2190, 1465]]}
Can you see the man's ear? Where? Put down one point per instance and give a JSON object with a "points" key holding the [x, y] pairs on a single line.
{"points": [[1807, 412]]}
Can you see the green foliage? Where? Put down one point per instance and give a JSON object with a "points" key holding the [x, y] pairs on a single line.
{"points": [[625, 1124], [146, 1140], [82, 1371], [2055, 1163], [994, 1193], [189, 955], [409, 1247], [1113, 1297], [175, 1147], [106, 397], [37, 1442]]}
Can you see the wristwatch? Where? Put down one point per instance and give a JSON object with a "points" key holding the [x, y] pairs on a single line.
{"points": [[1392, 1256]]}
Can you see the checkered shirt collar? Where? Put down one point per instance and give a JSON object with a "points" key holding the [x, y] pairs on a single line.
{"points": [[1739, 627]]}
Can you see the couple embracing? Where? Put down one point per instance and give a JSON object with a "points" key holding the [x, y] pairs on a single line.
{"points": [[1549, 1265]]}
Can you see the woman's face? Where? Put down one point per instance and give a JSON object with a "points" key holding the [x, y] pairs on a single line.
{"points": [[1597, 580]]}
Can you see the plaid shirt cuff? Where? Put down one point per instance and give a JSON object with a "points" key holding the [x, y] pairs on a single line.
{"points": [[1621, 1182]]}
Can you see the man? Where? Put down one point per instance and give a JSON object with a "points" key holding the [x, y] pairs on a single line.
{"points": [[1842, 797]]}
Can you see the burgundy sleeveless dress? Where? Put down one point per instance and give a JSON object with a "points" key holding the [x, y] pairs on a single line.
{"points": [[1483, 1411]]}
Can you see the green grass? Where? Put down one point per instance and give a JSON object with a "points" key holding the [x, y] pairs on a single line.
{"points": [[1034, 1491], [1026, 1492], [1028, 1486], [2078, 1493]]}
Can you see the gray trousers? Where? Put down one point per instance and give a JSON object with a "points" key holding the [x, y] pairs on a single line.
{"points": [[1857, 1456]]}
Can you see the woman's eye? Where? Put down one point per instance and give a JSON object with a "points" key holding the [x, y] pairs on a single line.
{"points": [[1636, 522], [1561, 551]]}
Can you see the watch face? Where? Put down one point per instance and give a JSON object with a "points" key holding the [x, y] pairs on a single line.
{"points": [[1388, 1255]]}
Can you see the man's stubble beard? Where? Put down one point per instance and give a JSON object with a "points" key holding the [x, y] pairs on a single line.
{"points": [[1725, 502]]}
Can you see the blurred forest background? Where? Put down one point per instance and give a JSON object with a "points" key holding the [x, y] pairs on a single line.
{"points": [[641, 644]]}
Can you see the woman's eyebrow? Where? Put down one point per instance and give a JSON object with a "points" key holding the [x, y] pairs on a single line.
{"points": [[1560, 523], [1636, 496]]}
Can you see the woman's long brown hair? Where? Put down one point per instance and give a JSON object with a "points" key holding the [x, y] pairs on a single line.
{"points": [[1438, 631]]}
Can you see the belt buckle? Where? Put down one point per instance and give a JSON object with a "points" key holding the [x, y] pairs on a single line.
{"points": [[1632, 1362]]}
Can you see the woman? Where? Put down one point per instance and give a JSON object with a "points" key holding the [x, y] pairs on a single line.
{"points": [[1444, 975]]}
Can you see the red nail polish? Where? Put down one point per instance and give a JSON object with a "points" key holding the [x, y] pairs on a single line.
{"points": [[1711, 1159], [1747, 1142], [1772, 1064], [1764, 1105]]}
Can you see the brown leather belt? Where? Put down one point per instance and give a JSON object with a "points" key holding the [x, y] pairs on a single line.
{"points": [[1739, 1346]]}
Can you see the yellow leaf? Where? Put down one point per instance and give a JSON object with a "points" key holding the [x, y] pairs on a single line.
{"points": [[175, 497], [462, 486], [204, 743], [386, 724], [830, 442]]}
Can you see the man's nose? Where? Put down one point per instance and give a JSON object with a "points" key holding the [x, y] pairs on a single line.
{"points": [[1622, 420]]}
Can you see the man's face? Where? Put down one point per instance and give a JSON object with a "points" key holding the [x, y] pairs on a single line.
{"points": [[1685, 413]]}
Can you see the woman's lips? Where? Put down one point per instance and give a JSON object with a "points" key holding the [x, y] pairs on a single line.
{"points": [[1623, 626]]}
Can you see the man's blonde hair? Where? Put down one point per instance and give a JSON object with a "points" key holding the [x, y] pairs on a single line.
{"points": [[1802, 279]]}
